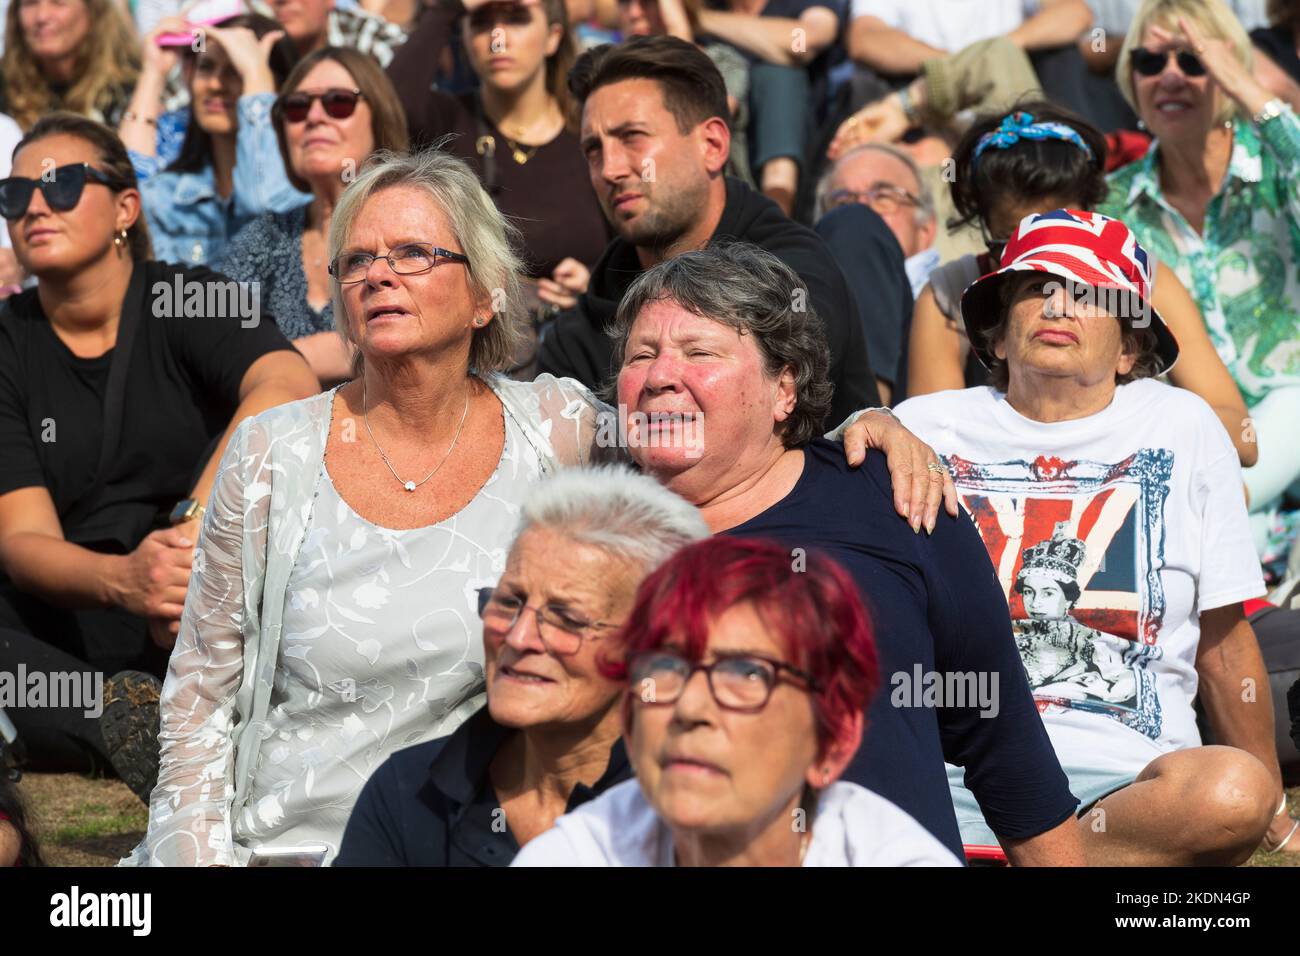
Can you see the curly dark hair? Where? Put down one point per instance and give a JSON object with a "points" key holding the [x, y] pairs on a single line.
{"points": [[754, 292], [1029, 169]]}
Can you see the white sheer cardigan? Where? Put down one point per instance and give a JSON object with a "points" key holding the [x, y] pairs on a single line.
{"points": [[219, 684]]}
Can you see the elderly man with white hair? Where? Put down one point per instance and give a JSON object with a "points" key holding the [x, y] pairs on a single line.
{"points": [[548, 739]]}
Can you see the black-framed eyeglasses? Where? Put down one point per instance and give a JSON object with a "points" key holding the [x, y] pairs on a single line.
{"points": [[338, 103], [742, 683], [561, 630], [407, 260], [884, 198], [1150, 63], [62, 191]]}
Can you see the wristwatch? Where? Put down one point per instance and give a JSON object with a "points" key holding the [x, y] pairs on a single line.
{"points": [[188, 509], [1271, 111]]}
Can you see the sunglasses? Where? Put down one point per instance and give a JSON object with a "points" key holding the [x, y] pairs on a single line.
{"points": [[62, 191], [1149, 63], [338, 104]]}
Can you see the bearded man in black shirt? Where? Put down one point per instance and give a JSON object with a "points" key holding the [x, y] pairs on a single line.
{"points": [[655, 134]]}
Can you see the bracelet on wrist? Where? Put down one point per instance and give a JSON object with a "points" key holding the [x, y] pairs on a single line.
{"points": [[133, 115], [1270, 111], [909, 107]]}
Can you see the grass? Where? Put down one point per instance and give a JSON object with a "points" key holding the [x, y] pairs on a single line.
{"points": [[87, 821], [83, 821]]}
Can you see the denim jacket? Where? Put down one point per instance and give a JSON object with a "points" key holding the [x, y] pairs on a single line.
{"points": [[188, 222]]}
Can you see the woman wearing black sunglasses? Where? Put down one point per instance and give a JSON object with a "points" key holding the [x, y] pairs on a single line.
{"points": [[229, 170], [746, 682], [116, 397], [1217, 200], [336, 108]]}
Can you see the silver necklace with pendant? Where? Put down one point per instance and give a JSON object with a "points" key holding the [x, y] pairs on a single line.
{"points": [[409, 485]]}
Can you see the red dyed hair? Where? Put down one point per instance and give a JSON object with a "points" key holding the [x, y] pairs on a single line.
{"points": [[815, 613]]}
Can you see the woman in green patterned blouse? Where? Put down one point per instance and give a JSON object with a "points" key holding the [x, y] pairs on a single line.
{"points": [[1216, 199]]}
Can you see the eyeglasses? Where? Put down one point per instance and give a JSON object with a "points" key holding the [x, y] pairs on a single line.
{"points": [[62, 191], [338, 103], [561, 630], [408, 260], [1150, 63], [743, 683], [882, 197]]}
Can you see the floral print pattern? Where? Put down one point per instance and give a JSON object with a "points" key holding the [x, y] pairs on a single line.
{"points": [[314, 644]]}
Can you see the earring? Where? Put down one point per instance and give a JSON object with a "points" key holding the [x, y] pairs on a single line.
{"points": [[1142, 124], [119, 239], [478, 323]]}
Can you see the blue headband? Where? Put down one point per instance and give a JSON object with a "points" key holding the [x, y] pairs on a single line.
{"points": [[1018, 126]]}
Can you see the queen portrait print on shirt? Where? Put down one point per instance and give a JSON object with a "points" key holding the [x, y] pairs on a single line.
{"points": [[1078, 547]]}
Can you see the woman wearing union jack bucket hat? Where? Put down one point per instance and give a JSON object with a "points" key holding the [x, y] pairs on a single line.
{"points": [[1079, 265], [1112, 510]]}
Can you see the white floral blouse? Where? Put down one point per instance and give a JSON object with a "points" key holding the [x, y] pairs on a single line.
{"points": [[314, 643]]}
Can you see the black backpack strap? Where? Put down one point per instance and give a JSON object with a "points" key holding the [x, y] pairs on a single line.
{"points": [[114, 392]]}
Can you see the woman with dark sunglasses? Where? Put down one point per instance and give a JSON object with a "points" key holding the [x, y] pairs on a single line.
{"points": [[1035, 158], [745, 680], [548, 739], [1217, 200], [335, 108], [229, 170], [120, 380]]}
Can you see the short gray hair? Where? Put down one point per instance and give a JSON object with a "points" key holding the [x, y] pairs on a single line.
{"points": [[755, 293], [924, 212], [488, 239], [626, 514]]}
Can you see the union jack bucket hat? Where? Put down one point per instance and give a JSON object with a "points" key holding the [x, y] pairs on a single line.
{"points": [[1084, 248]]}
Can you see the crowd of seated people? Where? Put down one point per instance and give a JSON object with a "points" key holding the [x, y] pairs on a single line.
{"points": [[635, 284]]}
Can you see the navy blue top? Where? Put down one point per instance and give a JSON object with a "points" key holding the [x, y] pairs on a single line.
{"points": [[935, 603], [434, 805]]}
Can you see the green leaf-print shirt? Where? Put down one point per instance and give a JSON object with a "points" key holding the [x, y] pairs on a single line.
{"points": [[1244, 270]]}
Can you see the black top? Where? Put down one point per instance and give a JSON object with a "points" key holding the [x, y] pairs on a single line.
{"points": [[181, 393], [549, 196], [433, 804], [576, 345], [1279, 44], [936, 607]]}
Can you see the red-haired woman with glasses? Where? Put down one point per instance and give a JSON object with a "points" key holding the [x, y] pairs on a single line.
{"points": [[748, 672]]}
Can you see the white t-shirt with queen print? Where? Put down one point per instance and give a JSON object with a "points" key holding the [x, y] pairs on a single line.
{"points": [[1111, 534]]}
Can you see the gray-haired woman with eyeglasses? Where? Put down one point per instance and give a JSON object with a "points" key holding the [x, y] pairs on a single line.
{"points": [[548, 739], [332, 615]]}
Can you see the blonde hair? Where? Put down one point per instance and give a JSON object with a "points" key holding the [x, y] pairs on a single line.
{"points": [[1212, 17], [107, 59], [486, 237]]}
